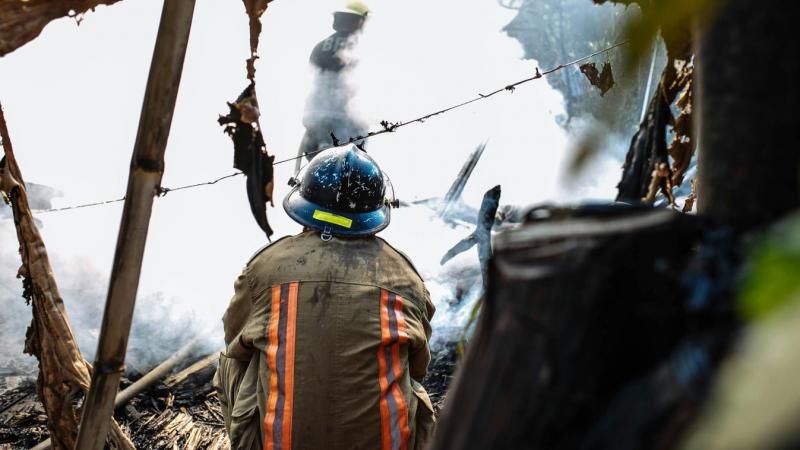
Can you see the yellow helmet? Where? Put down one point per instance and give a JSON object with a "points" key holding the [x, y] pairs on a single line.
{"points": [[356, 7]]}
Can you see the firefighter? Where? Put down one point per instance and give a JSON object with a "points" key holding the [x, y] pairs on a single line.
{"points": [[327, 108], [327, 332]]}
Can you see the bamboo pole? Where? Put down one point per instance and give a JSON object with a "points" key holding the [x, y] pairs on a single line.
{"points": [[147, 168]]}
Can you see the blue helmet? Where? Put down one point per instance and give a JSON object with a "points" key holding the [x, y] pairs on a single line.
{"points": [[342, 192]]}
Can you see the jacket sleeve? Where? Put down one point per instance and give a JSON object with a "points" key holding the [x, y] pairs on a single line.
{"points": [[236, 317], [419, 333]]}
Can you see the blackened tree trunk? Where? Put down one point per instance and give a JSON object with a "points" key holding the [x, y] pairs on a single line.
{"points": [[749, 160]]}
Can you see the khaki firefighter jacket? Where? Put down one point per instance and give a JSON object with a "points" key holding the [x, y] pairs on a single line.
{"points": [[326, 345]]}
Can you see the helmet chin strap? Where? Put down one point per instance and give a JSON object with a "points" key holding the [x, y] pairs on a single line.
{"points": [[326, 234]]}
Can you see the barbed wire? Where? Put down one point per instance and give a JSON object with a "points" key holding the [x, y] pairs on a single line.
{"points": [[161, 192], [386, 127], [390, 127]]}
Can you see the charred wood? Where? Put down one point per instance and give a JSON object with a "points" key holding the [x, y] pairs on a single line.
{"points": [[648, 150], [482, 236], [749, 164], [586, 340], [180, 411], [454, 193]]}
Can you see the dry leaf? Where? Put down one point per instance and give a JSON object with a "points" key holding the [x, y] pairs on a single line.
{"points": [[63, 373], [603, 80], [23, 20], [681, 153], [250, 153]]}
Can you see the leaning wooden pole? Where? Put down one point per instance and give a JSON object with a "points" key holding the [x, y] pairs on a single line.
{"points": [[147, 168]]}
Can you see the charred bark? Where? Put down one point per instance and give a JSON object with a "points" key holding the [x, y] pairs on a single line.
{"points": [[648, 150], [482, 236], [583, 339]]}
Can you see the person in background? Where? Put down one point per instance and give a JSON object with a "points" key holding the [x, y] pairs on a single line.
{"points": [[327, 332], [327, 112]]}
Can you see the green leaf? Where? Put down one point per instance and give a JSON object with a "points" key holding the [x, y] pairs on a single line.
{"points": [[772, 277], [674, 18]]}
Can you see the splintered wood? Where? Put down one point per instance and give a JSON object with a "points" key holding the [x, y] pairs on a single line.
{"points": [[198, 427], [181, 412]]}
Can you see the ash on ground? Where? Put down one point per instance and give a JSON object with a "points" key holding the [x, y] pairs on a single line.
{"points": [[181, 411]]}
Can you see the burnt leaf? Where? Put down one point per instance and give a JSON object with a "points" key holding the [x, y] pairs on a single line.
{"points": [[22, 21], [682, 147], [659, 181], [603, 80], [691, 199], [647, 150], [681, 152], [254, 8], [250, 153]]}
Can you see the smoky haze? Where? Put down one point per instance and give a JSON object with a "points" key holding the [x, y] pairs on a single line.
{"points": [[414, 57]]}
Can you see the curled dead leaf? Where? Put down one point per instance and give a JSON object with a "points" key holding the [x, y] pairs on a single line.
{"points": [[681, 152], [250, 153], [659, 178], [691, 199], [603, 80]]}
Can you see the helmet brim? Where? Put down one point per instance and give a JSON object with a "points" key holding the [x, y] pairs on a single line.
{"points": [[314, 216]]}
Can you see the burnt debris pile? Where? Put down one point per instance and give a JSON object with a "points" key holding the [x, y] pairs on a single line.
{"points": [[179, 411], [23, 422]]}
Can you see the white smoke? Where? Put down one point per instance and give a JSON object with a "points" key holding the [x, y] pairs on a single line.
{"points": [[160, 324], [415, 57]]}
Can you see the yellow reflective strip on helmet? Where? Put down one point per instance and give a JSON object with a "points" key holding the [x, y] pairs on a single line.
{"points": [[332, 218]]}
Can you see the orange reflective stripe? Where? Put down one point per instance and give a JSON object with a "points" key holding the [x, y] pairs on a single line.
{"points": [[394, 411], [405, 432], [272, 351], [281, 334], [386, 437], [291, 329]]}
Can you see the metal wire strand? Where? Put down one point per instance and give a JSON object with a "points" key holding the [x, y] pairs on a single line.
{"points": [[387, 127]]}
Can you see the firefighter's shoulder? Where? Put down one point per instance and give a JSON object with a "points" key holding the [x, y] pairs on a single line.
{"points": [[404, 256], [264, 248]]}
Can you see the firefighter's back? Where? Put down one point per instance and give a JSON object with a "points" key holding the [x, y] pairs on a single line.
{"points": [[341, 327]]}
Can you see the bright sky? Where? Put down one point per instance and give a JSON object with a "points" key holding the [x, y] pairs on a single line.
{"points": [[72, 99]]}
